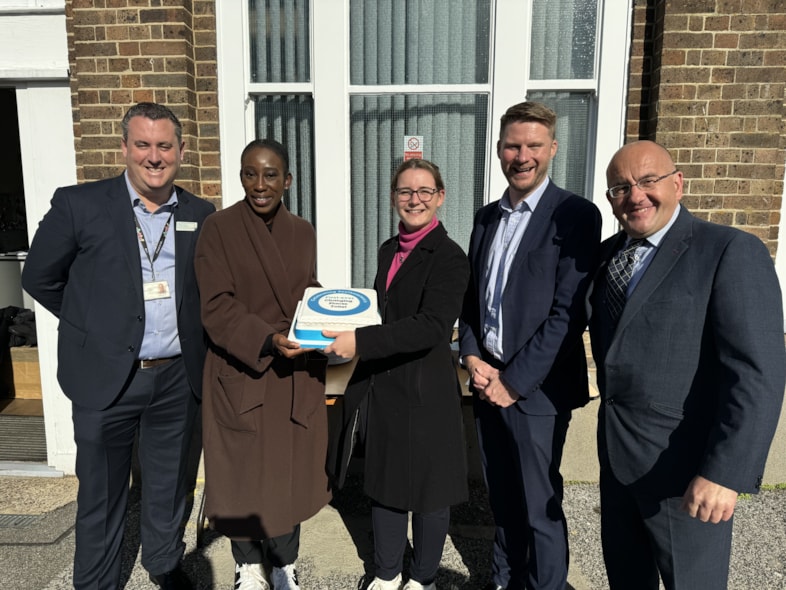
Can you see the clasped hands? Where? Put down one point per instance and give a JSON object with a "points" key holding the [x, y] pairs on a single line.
{"points": [[486, 380]]}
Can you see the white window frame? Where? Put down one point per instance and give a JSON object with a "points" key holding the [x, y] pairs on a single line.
{"points": [[331, 89]]}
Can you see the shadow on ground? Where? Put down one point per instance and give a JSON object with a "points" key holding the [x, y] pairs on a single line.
{"points": [[466, 561]]}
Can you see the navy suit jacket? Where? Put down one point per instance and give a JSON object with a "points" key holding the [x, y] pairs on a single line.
{"points": [[84, 267], [544, 315], [692, 379]]}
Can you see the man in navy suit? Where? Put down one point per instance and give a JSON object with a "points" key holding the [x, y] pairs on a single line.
{"points": [[531, 254], [113, 260], [691, 365]]}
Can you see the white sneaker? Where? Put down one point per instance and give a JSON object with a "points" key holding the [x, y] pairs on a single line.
{"points": [[413, 585], [285, 578], [250, 576], [380, 584]]}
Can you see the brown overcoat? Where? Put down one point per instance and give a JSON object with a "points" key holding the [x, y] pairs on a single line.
{"points": [[264, 417]]}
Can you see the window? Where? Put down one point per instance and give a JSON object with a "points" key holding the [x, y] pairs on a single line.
{"points": [[398, 51], [342, 83], [454, 130], [289, 119]]}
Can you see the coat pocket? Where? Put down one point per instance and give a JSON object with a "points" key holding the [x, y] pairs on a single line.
{"points": [[235, 396], [669, 411]]}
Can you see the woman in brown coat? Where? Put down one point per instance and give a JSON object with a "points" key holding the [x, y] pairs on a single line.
{"points": [[404, 398], [265, 424]]}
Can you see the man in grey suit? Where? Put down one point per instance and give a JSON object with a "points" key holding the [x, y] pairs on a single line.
{"points": [[687, 335], [113, 260]]}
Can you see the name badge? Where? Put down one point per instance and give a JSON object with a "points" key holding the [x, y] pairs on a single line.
{"points": [[156, 290], [186, 226]]}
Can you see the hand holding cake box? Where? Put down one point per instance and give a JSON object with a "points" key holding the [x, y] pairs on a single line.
{"points": [[332, 310]]}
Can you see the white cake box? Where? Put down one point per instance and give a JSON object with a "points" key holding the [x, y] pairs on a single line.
{"points": [[338, 310]]}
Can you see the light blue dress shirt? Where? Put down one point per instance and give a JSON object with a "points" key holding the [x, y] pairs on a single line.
{"points": [[161, 337], [506, 241]]}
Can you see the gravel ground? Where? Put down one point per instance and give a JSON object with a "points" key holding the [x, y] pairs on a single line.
{"points": [[758, 551], [758, 554]]}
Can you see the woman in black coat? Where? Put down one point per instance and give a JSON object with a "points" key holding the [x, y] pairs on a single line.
{"points": [[404, 399]]}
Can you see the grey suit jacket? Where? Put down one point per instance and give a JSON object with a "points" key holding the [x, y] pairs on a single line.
{"points": [[692, 379], [84, 267]]}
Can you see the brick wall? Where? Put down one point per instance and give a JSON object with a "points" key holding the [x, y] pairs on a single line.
{"points": [[708, 81], [122, 52]]}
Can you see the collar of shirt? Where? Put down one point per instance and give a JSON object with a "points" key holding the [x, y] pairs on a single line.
{"points": [[136, 200], [656, 238], [646, 252], [531, 201]]}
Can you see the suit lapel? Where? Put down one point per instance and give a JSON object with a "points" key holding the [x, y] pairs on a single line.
{"points": [[533, 237], [184, 241], [674, 244], [489, 227], [121, 215], [385, 260], [533, 233], [386, 253]]}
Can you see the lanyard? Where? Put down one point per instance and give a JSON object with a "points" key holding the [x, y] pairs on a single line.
{"points": [[141, 235]]}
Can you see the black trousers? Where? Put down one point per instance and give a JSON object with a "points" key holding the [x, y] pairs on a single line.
{"points": [[429, 531], [278, 551], [159, 404]]}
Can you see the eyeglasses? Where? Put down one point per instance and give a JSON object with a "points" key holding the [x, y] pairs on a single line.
{"points": [[424, 194], [645, 184]]}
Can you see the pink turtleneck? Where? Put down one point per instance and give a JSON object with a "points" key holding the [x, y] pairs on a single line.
{"points": [[406, 243]]}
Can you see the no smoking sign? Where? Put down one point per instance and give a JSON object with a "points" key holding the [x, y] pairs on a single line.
{"points": [[413, 147]]}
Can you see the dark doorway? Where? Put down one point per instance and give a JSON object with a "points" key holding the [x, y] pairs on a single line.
{"points": [[13, 221], [21, 409]]}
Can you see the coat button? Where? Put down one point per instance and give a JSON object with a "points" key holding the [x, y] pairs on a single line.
{"points": [[610, 401], [139, 318], [130, 349]]}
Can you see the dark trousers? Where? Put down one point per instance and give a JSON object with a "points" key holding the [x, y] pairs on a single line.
{"points": [[159, 405], [429, 530], [521, 456], [643, 535], [277, 551]]}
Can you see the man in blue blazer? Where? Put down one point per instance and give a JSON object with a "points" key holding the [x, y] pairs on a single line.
{"points": [[113, 260], [691, 375], [531, 254]]}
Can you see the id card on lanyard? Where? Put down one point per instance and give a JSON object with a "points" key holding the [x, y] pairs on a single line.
{"points": [[154, 289]]}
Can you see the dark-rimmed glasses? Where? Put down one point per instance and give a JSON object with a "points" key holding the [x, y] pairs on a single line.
{"points": [[647, 183], [425, 194]]}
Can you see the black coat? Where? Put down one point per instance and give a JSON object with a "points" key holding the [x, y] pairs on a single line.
{"points": [[404, 398]]}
